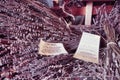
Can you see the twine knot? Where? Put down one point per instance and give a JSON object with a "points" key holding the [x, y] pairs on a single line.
{"points": [[111, 43]]}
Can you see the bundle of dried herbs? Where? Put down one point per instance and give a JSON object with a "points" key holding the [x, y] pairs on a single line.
{"points": [[24, 22]]}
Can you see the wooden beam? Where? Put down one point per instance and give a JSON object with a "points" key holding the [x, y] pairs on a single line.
{"points": [[88, 15], [81, 11]]}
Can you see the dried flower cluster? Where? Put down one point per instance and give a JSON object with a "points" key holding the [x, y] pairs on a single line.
{"points": [[24, 22]]}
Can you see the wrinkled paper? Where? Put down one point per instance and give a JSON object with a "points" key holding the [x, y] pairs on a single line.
{"points": [[46, 48], [88, 49]]}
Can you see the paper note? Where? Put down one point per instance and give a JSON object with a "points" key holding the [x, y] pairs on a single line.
{"points": [[46, 48], [88, 49]]}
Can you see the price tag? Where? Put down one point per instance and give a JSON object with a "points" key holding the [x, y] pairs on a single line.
{"points": [[88, 49], [46, 48]]}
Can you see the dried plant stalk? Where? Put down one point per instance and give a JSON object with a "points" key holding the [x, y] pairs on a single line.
{"points": [[111, 39], [112, 48], [63, 8]]}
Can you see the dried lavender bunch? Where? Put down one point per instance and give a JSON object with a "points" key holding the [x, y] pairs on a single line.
{"points": [[22, 24], [108, 27], [112, 51]]}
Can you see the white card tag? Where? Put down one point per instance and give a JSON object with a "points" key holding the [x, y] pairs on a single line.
{"points": [[88, 49], [46, 48]]}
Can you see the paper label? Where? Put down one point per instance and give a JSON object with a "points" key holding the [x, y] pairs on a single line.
{"points": [[46, 48], [88, 49]]}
